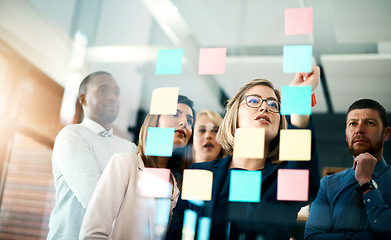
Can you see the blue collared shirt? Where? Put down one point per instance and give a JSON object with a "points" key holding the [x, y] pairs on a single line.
{"points": [[328, 213]]}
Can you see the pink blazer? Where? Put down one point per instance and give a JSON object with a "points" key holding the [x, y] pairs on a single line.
{"points": [[116, 210]]}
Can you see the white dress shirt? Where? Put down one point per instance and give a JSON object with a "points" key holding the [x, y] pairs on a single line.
{"points": [[79, 158]]}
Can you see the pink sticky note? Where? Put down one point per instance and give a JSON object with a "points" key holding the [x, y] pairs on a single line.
{"points": [[298, 21], [212, 61], [292, 184], [155, 182]]}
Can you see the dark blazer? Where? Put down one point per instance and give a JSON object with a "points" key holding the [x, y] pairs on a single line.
{"points": [[271, 218]]}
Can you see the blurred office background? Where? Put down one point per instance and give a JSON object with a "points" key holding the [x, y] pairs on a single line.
{"points": [[48, 46]]}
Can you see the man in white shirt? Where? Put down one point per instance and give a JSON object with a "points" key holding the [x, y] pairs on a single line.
{"points": [[81, 152]]}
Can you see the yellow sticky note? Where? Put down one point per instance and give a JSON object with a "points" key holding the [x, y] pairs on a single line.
{"points": [[197, 184], [249, 143], [295, 144], [164, 101]]}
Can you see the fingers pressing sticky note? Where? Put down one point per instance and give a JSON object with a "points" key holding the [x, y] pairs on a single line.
{"points": [[296, 100], [160, 142], [292, 184], [245, 186], [297, 59], [295, 145], [212, 61], [155, 182], [169, 61], [249, 143], [298, 21], [164, 101], [197, 185]]}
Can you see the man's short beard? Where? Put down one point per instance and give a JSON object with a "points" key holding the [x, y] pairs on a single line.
{"points": [[372, 149]]}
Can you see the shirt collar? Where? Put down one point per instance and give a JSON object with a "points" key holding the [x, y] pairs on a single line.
{"points": [[379, 168], [94, 126]]}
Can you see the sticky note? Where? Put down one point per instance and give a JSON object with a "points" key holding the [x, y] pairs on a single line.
{"points": [[298, 21], [212, 61], [164, 101], [292, 184], [189, 224], [297, 58], [203, 228], [249, 143], [197, 184], [295, 145], [296, 100], [160, 142], [169, 61], [245, 186], [155, 182], [162, 214]]}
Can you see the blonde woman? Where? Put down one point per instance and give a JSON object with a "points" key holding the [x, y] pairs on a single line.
{"points": [[116, 211], [205, 146], [255, 105]]}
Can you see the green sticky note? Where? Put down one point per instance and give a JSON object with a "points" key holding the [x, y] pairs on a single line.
{"points": [[296, 100], [297, 58], [160, 142], [245, 186], [169, 61]]}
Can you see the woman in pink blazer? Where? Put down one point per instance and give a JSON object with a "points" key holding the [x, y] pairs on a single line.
{"points": [[117, 210]]}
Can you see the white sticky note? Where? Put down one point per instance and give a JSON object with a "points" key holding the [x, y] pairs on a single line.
{"points": [[249, 143], [295, 145], [164, 101], [197, 184]]}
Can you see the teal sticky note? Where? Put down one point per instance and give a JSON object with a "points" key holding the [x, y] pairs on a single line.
{"points": [[245, 186], [297, 58], [189, 224], [203, 228], [296, 100], [160, 142], [169, 61], [162, 215]]}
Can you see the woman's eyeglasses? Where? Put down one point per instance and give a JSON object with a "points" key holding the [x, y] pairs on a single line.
{"points": [[254, 101]]}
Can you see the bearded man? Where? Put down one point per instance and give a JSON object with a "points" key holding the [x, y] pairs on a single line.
{"points": [[355, 203]]}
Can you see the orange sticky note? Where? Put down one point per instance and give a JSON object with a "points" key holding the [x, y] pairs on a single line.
{"points": [[197, 184], [212, 61], [249, 143], [155, 182], [164, 101], [298, 21], [292, 184], [295, 145]]}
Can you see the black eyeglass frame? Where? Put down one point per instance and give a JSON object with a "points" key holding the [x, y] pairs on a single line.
{"points": [[263, 100]]}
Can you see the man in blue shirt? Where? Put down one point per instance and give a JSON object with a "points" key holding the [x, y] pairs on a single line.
{"points": [[355, 203]]}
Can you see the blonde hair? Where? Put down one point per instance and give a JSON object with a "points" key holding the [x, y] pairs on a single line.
{"points": [[226, 133], [216, 120]]}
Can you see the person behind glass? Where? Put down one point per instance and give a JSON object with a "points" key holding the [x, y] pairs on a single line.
{"points": [[116, 211], [205, 146], [81, 152], [255, 105], [356, 203]]}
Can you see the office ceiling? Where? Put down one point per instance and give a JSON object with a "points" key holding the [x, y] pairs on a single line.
{"points": [[351, 41]]}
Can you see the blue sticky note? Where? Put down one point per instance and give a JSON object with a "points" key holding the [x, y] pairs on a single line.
{"points": [[203, 228], [169, 61], [160, 142], [163, 208], [296, 100], [297, 58], [245, 186], [189, 224]]}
